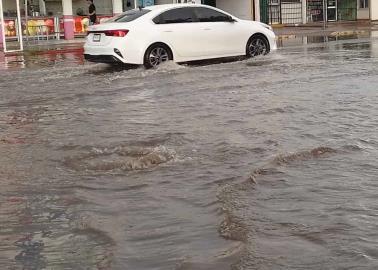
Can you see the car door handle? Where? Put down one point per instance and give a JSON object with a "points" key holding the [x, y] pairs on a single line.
{"points": [[168, 31], [206, 29]]}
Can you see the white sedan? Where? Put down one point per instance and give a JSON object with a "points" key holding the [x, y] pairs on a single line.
{"points": [[178, 32]]}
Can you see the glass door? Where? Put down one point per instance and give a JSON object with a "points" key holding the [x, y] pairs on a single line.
{"points": [[331, 10], [11, 30], [346, 10]]}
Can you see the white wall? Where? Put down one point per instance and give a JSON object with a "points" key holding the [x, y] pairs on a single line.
{"points": [[374, 10], [80, 4], [239, 8], [10, 5], [102, 6], [363, 14]]}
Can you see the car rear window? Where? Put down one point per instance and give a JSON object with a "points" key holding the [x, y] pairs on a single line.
{"points": [[129, 16]]}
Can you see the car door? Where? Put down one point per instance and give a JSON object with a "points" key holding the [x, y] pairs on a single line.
{"points": [[223, 35], [177, 27]]}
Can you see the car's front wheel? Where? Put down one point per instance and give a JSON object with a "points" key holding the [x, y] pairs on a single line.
{"points": [[257, 45], [157, 54]]}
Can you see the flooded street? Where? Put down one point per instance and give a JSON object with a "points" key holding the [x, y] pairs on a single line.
{"points": [[267, 163]]}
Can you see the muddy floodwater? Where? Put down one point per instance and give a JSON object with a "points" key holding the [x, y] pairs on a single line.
{"points": [[269, 163]]}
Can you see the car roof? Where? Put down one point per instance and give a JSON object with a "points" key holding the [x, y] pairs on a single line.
{"points": [[170, 6], [156, 9]]}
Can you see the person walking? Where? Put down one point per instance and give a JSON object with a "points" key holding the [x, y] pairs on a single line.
{"points": [[92, 12]]}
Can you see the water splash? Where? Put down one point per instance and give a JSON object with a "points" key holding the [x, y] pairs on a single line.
{"points": [[121, 159]]}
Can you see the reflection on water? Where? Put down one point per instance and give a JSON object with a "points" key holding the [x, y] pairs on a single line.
{"points": [[298, 40], [40, 58], [268, 163]]}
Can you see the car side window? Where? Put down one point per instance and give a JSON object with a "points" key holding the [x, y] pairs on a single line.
{"points": [[177, 15], [210, 15]]}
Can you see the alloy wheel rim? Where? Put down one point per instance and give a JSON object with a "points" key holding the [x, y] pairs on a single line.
{"points": [[257, 47], [157, 56]]}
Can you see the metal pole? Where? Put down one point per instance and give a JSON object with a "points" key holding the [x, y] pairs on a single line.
{"points": [[2, 26], [26, 20], [19, 25], [324, 15]]}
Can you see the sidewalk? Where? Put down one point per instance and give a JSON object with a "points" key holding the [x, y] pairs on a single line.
{"points": [[332, 29], [47, 45]]}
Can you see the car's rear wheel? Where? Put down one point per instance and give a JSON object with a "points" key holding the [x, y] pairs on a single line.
{"points": [[157, 54], [257, 45]]}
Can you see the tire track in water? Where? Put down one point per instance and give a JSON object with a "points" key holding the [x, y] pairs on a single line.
{"points": [[232, 196]]}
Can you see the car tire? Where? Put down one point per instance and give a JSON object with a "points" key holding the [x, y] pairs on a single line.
{"points": [[257, 45], [157, 54]]}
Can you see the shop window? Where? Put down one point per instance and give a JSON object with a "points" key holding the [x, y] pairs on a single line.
{"points": [[315, 10], [364, 3]]}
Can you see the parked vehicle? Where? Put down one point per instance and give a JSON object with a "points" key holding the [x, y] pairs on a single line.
{"points": [[178, 32]]}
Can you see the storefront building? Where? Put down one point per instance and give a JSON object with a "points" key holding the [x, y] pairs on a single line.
{"points": [[55, 18], [283, 11], [335, 10], [311, 11], [67, 18], [343, 10]]}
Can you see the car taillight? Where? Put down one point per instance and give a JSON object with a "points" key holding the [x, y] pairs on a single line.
{"points": [[116, 33]]}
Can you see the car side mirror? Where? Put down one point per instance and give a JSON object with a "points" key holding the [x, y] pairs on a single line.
{"points": [[230, 19]]}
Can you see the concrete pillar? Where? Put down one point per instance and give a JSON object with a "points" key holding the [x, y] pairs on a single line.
{"points": [[374, 45], [68, 20], [1, 35], [304, 11], [1, 27], [117, 7], [257, 10], [252, 11], [42, 7], [373, 10]]}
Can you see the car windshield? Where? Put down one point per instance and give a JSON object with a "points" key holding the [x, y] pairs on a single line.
{"points": [[129, 16]]}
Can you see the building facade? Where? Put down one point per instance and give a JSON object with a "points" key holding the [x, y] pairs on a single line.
{"points": [[53, 17], [282, 11], [312, 11], [69, 16]]}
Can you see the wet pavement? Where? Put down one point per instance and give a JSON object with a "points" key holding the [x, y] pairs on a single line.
{"points": [[329, 29], [268, 163]]}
